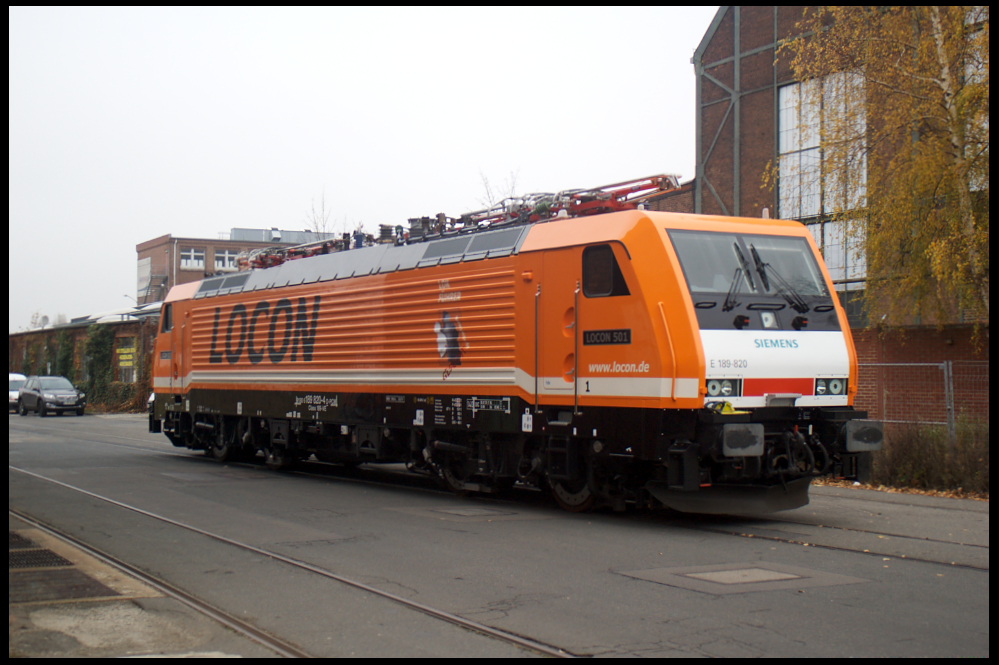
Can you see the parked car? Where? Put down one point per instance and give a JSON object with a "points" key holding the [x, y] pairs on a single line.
{"points": [[49, 394], [14, 383]]}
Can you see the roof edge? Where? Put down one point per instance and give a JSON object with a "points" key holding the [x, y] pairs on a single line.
{"points": [[706, 39]]}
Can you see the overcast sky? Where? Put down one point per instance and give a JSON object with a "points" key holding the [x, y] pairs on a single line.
{"points": [[127, 124]]}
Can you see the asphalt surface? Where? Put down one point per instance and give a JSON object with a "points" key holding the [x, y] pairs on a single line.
{"points": [[855, 573]]}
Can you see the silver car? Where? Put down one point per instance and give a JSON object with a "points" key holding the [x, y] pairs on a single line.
{"points": [[14, 383]]}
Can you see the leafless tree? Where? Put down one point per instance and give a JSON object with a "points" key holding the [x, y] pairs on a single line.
{"points": [[494, 196], [318, 221]]}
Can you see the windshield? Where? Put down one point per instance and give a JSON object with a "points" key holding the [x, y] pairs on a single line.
{"points": [[717, 262], [57, 383], [14, 384]]}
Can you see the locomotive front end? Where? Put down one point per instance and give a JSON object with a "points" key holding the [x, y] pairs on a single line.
{"points": [[780, 373]]}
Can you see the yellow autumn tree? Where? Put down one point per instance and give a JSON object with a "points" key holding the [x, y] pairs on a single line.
{"points": [[904, 138]]}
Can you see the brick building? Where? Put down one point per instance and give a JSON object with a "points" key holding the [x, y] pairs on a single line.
{"points": [[751, 116], [167, 261], [677, 200], [61, 350]]}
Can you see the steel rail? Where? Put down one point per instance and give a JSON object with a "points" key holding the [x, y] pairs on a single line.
{"points": [[702, 528], [475, 626], [248, 630], [249, 464], [852, 550]]}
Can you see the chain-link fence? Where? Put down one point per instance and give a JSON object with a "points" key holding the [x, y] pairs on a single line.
{"points": [[925, 393]]}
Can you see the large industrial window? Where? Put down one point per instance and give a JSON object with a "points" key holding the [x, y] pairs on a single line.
{"points": [[798, 150], [812, 181], [826, 189], [601, 274], [842, 245]]}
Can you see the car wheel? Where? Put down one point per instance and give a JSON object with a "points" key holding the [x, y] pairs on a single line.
{"points": [[41, 409], [79, 411], [21, 409]]}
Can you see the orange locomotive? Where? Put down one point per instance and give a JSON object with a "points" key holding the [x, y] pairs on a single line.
{"points": [[701, 362]]}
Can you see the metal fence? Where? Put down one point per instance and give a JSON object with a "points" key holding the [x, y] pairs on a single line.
{"points": [[925, 393]]}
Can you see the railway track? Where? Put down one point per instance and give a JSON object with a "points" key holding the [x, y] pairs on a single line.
{"points": [[234, 623], [278, 645], [837, 534], [379, 476]]}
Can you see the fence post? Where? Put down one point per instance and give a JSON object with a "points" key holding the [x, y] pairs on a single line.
{"points": [[947, 367]]}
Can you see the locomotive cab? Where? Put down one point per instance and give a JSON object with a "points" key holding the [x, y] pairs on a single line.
{"points": [[780, 371]]}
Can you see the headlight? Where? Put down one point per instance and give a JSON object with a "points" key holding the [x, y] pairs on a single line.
{"points": [[48, 395], [830, 386], [725, 388]]}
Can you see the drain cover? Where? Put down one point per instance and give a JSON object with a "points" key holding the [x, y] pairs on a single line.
{"points": [[16, 541], [473, 512], [743, 576], [34, 559], [33, 586]]}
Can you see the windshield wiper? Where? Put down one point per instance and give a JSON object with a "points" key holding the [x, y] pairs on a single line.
{"points": [[745, 266], [760, 268], [784, 288], [730, 302]]}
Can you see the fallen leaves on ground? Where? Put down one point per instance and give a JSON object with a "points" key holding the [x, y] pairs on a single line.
{"points": [[948, 494]]}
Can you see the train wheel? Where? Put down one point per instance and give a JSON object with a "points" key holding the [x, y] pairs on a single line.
{"points": [[575, 497], [225, 445]]}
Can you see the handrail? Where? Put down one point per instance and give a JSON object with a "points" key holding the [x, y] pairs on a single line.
{"points": [[575, 350], [537, 297], [672, 353]]}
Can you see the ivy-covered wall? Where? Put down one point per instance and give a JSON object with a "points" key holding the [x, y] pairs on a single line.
{"points": [[92, 358]]}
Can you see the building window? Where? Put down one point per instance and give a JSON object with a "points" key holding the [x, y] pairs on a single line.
{"points": [[225, 259], [842, 245], [798, 150], [976, 75], [818, 187], [813, 182], [192, 258]]}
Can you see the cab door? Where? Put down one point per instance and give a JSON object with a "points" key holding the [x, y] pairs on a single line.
{"points": [[558, 321], [164, 347], [607, 315]]}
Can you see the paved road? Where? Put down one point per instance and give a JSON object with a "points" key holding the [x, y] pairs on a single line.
{"points": [[853, 574]]}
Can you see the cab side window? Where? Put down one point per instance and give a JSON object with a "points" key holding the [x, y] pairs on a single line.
{"points": [[601, 274], [167, 318]]}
